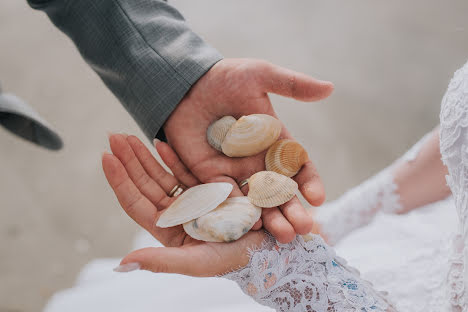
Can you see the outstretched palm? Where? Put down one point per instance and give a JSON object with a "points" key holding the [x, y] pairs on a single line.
{"points": [[141, 186], [239, 87]]}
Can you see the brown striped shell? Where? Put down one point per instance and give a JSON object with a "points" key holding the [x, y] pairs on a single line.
{"points": [[270, 189], [286, 157], [217, 131], [228, 222], [251, 135]]}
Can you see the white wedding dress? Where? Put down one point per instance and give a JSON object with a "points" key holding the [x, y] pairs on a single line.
{"points": [[414, 261]]}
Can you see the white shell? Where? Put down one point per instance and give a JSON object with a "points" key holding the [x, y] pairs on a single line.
{"points": [[269, 189], [217, 131], [194, 202], [228, 222], [251, 135], [286, 157]]}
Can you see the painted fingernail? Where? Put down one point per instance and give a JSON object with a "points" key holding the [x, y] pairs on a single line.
{"points": [[156, 141], [127, 267]]}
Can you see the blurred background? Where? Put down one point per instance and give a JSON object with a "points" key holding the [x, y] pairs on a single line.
{"points": [[390, 61]]}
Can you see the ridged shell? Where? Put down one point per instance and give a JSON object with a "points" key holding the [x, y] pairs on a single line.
{"points": [[286, 157], [194, 202], [228, 222], [270, 189], [251, 135], [217, 131]]}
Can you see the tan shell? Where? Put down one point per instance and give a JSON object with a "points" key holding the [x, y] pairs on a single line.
{"points": [[228, 222], [251, 135], [217, 131], [194, 202], [270, 189], [286, 157]]}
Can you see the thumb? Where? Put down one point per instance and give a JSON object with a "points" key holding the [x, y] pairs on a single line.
{"points": [[285, 82], [160, 260]]}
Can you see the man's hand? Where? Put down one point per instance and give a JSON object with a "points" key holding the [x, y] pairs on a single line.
{"points": [[239, 87]]}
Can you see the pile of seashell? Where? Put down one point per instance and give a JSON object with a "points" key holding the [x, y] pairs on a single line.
{"points": [[205, 210]]}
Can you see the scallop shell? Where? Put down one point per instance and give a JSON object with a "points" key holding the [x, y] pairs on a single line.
{"points": [[270, 189], [228, 222], [217, 131], [251, 135], [194, 203], [286, 157]]}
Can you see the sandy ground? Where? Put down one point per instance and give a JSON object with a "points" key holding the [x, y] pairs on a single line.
{"points": [[390, 62]]}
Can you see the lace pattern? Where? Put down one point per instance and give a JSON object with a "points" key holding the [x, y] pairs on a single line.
{"points": [[305, 275], [454, 150], [358, 206]]}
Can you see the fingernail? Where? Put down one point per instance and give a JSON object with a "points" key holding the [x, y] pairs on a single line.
{"points": [[127, 267], [124, 134], [156, 141]]}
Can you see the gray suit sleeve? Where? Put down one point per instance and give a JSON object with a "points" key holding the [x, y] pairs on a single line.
{"points": [[143, 50]]}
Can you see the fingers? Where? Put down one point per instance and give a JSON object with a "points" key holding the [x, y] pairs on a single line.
{"points": [[292, 84], [180, 171], [163, 260], [150, 165], [297, 216], [310, 184], [144, 183], [194, 259], [137, 206], [275, 223]]}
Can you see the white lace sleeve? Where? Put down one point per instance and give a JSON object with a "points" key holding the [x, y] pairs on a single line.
{"points": [[454, 150], [358, 206], [306, 276]]}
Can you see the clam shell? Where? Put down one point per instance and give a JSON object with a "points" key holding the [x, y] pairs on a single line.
{"points": [[194, 203], [286, 157], [270, 189], [228, 222], [251, 135], [217, 131]]}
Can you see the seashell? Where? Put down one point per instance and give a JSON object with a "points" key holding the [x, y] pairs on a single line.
{"points": [[286, 157], [251, 135], [218, 130], [270, 189], [194, 203], [228, 222]]}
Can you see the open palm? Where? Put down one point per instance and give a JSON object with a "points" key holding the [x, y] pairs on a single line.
{"points": [[240, 87], [141, 186]]}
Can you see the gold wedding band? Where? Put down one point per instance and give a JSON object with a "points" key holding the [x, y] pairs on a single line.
{"points": [[176, 190], [243, 183]]}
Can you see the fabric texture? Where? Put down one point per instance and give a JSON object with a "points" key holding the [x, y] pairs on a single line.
{"points": [[306, 275], [22, 120], [454, 150], [143, 51], [358, 206]]}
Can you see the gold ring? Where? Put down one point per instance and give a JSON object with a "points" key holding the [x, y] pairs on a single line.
{"points": [[243, 183], [176, 190]]}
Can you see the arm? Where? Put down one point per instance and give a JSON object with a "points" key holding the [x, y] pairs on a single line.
{"points": [[304, 275], [149, 58], [414, 180], [142, 50]]}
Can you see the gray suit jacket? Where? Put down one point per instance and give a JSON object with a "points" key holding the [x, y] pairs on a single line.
{"points": [[142, 49]]}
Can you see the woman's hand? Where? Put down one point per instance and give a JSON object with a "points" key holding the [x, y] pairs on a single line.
{"points": [[238, 87], [141, 186]]}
